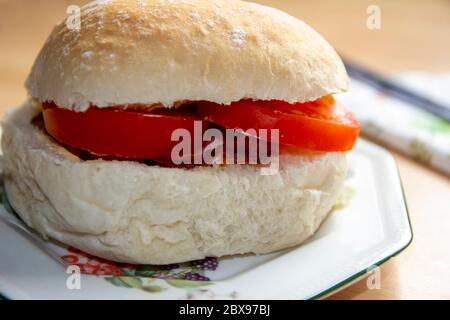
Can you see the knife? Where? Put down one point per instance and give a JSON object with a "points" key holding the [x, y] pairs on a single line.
{"points": [[397, 91]]}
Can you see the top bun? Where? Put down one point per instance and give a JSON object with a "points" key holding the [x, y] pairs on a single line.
{"points": [[170, 51]]}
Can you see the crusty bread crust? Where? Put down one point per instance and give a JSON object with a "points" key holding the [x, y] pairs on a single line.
{"points": [[161, 51], [131, 212]]}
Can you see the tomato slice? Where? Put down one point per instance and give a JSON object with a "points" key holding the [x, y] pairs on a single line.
{"points": [[318, 126], [321, 125], [118, 132]]}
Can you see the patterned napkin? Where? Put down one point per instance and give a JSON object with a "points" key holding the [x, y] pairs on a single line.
{"points": [[401, 126]]}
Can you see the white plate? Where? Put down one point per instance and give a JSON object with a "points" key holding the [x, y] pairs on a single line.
{"points": [[373, 227]]}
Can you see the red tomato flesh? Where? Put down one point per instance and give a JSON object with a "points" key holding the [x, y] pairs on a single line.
{"points": [[322, 125], [117, 132]]}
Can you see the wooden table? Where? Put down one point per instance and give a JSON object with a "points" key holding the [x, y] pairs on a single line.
{"points": [[414, 35]]}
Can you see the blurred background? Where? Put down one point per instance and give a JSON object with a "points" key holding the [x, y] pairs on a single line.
{"points": [[410, 45]]}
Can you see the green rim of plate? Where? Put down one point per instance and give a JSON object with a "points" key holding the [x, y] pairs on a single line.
{"points": [[3, 297], [341, 285]]}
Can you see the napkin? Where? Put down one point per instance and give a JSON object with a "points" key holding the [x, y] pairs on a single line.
{"points": [[401, 126]]}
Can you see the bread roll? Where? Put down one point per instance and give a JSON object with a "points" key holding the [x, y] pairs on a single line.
{"points": [[163, 53]]}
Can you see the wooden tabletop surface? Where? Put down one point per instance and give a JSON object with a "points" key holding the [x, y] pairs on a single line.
{"points": [[414, 36]]}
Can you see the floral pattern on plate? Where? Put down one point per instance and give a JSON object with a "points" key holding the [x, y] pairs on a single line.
{"points": [[89, 264]]}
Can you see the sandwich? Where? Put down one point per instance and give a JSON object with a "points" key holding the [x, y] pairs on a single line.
{"points": [[167, 131]]}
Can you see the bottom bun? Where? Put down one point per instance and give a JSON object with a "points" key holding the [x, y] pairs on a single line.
{"points": [[130, 212]]}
